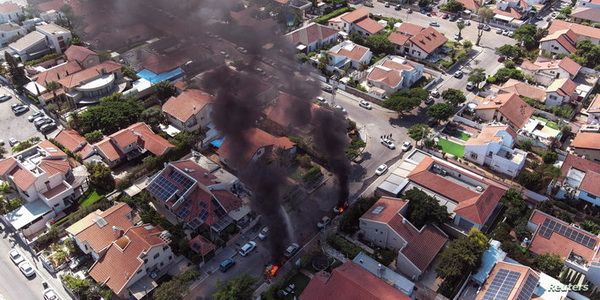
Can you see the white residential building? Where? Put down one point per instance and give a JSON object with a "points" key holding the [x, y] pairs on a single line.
{"points": [[393, 73], [539, 133], [312, 37], [544, 71], [46, 39], [190, 110], [10, 12], [348, 54], [10, 32], [493, 146]]}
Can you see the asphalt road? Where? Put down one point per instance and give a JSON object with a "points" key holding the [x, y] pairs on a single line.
{"points": [[14, 285]]}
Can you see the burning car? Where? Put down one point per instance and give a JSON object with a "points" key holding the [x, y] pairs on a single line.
{"points": [[271, 271], [338, 210]]}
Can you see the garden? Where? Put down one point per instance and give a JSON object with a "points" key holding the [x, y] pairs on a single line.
{"points": [[450, 147]]}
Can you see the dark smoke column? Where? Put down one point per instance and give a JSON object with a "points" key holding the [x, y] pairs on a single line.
{"points": [[331, 141]]}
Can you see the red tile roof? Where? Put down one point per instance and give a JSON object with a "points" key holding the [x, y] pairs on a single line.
{"points": [[595, 105], [515, 293], [22, 178], [511, 106], [569, 65], [51, 150], [201, 245], [110, 151], [122, 259], [187, 104], [429, 39], [55, 190], [389, 73], [586, 13], [99, 237], [57, 72], [398, 38], [558, 244], [369, 25], [563, 86], [509, 12], [350, 282], [139, 133], [257, 139], [350, 50], [422, 246], [90, 73], [475, 206], [409, 29], [566, 38], [10, 7], [228, 201], [7, 165], [587, 140], [356, 15], [55, 166], [310, 34], [79, 54], [580, 30], [581, 164], [71, 140], [195, 171], [590, 183], [524, 89], [472, 5]]}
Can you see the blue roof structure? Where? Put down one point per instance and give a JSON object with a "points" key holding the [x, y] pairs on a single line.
{"points": [[164, 76], [217, 143], [489, 259]]}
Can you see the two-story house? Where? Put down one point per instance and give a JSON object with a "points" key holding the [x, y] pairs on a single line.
{"points": [[416, 41], [559, 42], [544, 71], [43, 178], [493, 147], [587, 144], [137, 253], [90, 84], [393, 73], [578, 180], [593, 111], [46, 39], [260, 143], [347, 54], [9, 32], [130, 143], [312, 37], [10, 12], [384, 224], [94, 233], [190, 110], [561, 91], [85, 57], [506, 108]]}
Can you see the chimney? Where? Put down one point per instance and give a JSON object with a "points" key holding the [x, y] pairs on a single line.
{"points": [[118, 231]]}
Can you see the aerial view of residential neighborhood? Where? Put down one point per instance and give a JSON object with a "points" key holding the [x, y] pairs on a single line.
{"points": [[300, 149]]}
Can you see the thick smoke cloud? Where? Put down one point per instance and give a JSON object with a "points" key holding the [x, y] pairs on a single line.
{"points": [[108, 24]]}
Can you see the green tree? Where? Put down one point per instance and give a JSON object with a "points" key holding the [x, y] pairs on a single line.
{"points": [[113, 113], [462, 255], [379, 44], [405, 100], [477, 76], [590, 226], [153, 116], [419, 131], [550, 264], [238, 288], [129, 72], [175, 288], [516, 207], [529, 35], [460, 26], [100, 177], [453, 6], [424, 209], [454, 96], [549, 156], [485, 14], [510, 51], [186, 140], [16, 71], [165, 90], [93, 136], [440, 111]]}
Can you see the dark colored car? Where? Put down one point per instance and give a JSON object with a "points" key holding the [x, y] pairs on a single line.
{"points": [[48, 127], [226, 265]]}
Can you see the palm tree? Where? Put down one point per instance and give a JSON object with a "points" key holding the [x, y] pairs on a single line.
{"points": [[461, 26], [485, 14]]}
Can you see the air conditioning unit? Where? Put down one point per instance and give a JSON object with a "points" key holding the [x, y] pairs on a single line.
{"points": [[590, 128]]}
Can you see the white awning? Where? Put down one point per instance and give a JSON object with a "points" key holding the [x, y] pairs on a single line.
{"points": [[503, 18], [27, 213]]}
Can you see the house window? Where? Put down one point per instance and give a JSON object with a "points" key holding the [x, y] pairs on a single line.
{"points": [[473, 155], [145, 260], [552, 97], [86, 247], [592, 196], [156, 256]]}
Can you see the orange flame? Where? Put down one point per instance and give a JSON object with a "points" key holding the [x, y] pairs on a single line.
{"points": [[273, 271]]}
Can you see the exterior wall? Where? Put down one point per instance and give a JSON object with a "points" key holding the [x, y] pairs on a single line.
{"points": [[505, 166], [165, 256], [593, 273], [554, 47], [381, 234], [417, 52], [407, 268], [589, 154], [85, 247], [10, 16], [553, 99], [593, 118], [591, 198], [464, 223], [485, 114], [476, 153], [8, 37], [60, 41], [39, 225]]}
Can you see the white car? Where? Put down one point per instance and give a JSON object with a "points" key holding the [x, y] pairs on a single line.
{"points": [[381, 169], [470, 86], [505, 32], [388, 143], [16, 257], [263, 233], [340, 108], [291, 250], [26, 269], [50, 294], [406, 146], [321, 99], [324, 222], [35, 116], [458, 74], [434, 93], [365, 104], [247, 248]]}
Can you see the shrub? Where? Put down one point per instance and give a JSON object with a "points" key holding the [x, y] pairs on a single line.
{"points": [[94, 136]]}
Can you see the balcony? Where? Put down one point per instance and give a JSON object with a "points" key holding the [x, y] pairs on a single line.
{"points": [[57, 193], [577, 263]]}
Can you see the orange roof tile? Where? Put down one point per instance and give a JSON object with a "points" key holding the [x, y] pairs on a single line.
{"points": [[350, 282], [580, 30], [398, 38], [257, 139], [509, 12], [587, 140], [139, 133], [563, 86], [369, 25], [581, 164], [472, 5], [569, 65], [310, 34], [7, 165], [99, 235], [56, 73], [22, 178], [586, 13], [489, 133], [350, 50], [51, 150], [78, 54], [409, 29], [515, 293], [71, 140], [55, 190], [201, 245], [356, 15], [429, 39], [511, 106], [10, 7], [90, 73], [590, 183], [566, 38], [122, 259], [55, 166], [523, 89], [595, 105], [187, 104], [110, 151]]}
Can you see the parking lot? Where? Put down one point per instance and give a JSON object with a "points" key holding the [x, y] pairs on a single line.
{"points": [[17, 127]]}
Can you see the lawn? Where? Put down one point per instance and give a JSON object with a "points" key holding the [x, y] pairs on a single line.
{"points": [[459, 134], [549, 123], [91, 198], [452, 147]]}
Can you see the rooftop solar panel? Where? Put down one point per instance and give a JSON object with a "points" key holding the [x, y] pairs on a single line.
{"points": [[528, 288], [181, 179], [502, 284], [551, 226]]}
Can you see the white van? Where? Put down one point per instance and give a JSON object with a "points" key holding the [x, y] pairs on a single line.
{"points": [[247, 248]]}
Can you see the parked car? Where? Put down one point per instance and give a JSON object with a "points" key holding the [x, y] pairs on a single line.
{"points": [[470, 86], [430, 100], [35, 116], [381, 170], [365, 104], [321, 99], [409, 11], [487, 27], [39, 123], [262, 235], [12, 142], [499, 31], [21, 109], [434, 93], [445, 16], [368, 4], [48, 127], [324, 222], [50, 294], [434, 24], [226, 265], [480, 26], [460, 20], [15, 256], [452, 18], [26, 269], [5, 98], [340, 108], [467, 22], [15, 105], [398, 7], [291, 250], [511, 34], [458, 74], [327, 88], [505, 32], [406, 146], [388, 143], [386, 4], [247, 248]]}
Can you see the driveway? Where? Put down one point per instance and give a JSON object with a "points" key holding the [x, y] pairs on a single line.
{"points": [[17, 127]]}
